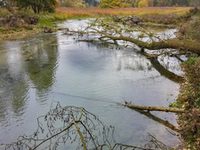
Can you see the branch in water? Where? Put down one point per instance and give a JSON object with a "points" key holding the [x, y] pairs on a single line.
{"points": [[120, 32], [153, 108]]}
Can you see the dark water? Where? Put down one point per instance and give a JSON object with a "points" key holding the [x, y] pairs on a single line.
{"points": [[86, 75]]}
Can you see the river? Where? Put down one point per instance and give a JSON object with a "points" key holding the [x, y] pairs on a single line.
{"points": [[92, 76]]}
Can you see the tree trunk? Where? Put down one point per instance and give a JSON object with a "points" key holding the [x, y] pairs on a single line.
{"points": [[153, 108]]}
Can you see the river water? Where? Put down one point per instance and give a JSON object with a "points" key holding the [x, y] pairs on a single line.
{"points": [[92, 76]]}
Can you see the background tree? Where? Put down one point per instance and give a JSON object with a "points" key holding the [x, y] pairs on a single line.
{"points": [[8, 4], [194, 2], [73, 3], [146, 3], [143, 3], [38, 5]]}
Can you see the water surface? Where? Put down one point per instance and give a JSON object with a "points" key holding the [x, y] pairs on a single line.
{"points": [[92, 76]]}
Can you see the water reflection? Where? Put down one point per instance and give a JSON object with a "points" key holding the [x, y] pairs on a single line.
{"points": [[165, 72], [43, 61], [13, 87], [17, 75], [167, 66]]}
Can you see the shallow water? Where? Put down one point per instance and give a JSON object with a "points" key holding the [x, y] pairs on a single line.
{"points": [[92, 76]]}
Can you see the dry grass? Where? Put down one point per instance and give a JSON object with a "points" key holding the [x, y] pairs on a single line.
{"points": [[49, 20], [92, 12]]}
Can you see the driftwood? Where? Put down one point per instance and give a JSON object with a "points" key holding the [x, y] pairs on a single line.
{"points": [[153, 108]]}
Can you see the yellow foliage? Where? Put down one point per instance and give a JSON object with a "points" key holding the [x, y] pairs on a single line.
{"points": [[143, 3], [115, 3]]}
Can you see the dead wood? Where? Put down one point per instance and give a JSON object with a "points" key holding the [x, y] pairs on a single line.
{"points": [[153, 108]]}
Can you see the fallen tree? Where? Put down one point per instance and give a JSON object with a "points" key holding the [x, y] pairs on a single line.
{"points": [[108, 30], [180, 44], [153, 108]]}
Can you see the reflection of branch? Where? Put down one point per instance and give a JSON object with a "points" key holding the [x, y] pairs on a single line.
{"points": [[159, 120], [164, 72], [124, 146], [158, 145]]}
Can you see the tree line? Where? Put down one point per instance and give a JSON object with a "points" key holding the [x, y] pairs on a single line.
{"points": [[36, 5], [49, 5], [147, 3]]}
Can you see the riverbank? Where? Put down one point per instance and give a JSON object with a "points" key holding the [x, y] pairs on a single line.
{"points": [[47, 21], [189, 99]]}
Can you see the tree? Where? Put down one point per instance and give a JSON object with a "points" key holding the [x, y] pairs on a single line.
{"points": [[146, 3], [116, 3], [38, 5], [72, 3], [91, 2], [194, 2], [143, 3], [8, 4]]}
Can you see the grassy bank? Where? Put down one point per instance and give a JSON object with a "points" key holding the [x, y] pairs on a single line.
{"points": [[48, 20]]}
